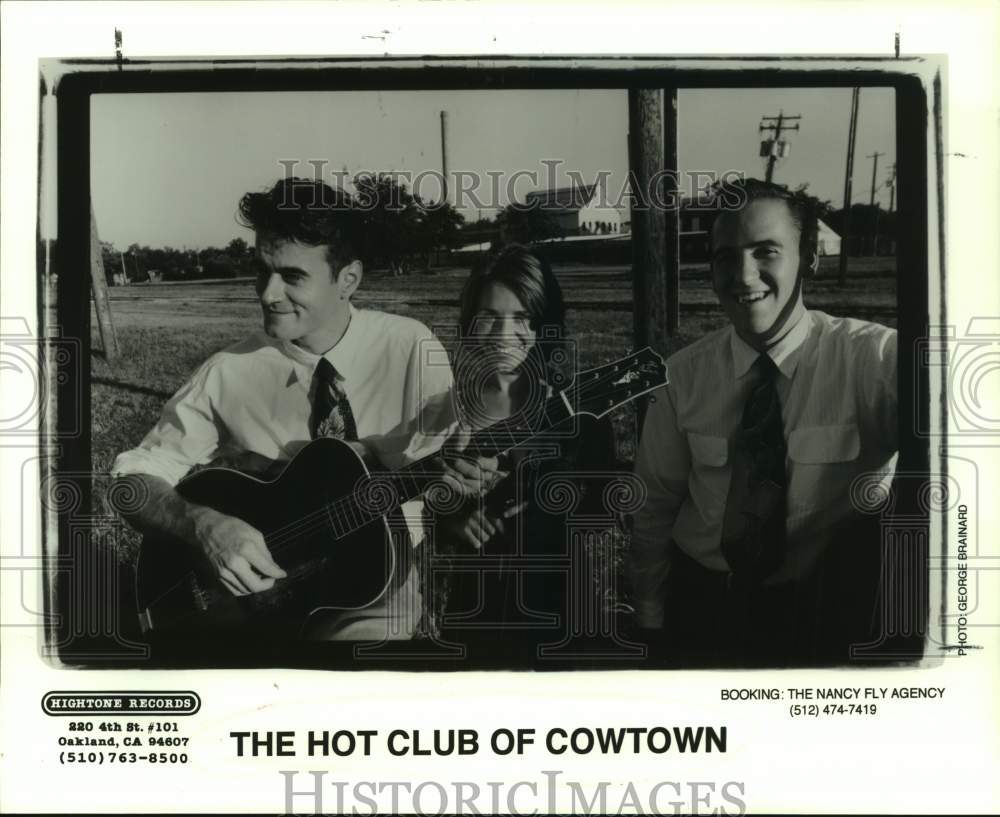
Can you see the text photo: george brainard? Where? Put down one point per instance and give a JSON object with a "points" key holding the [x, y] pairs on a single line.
{"points": [[492, 378]]}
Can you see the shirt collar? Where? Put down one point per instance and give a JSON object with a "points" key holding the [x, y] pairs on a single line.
{"points": [[343, 355], [785, 353]]}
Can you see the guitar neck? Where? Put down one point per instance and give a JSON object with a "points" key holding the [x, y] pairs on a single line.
{"points": [[502, 436], [387, 491], [519, 428]]}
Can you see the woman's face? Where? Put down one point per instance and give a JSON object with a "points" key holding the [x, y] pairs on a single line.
{"points": [[502, 327]]}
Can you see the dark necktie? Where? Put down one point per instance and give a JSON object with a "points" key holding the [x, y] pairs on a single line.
{"points": [[753, 532], [331, 414]]}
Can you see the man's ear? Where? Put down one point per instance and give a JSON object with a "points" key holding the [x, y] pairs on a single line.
{"points": [[349, 278]]}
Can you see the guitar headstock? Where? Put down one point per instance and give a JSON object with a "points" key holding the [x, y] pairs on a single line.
{"points": [[602, 389]]}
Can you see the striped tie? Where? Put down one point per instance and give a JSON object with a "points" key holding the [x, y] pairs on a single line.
{"points": [[331, 414]]}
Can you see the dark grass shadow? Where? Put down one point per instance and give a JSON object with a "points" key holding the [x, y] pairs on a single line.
{"points": [[131, 387]]}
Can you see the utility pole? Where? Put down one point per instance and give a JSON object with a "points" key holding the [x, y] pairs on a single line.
{"points": [[444, 156], [845, 238], [874, 156], [871, 203], [775, 148], [892, 187]]}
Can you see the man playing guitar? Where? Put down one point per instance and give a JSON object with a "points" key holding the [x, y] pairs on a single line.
{"points": [[320, 367]]}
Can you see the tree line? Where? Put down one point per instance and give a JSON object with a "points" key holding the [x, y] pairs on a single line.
{"points": [[138, 264], [399, 231]]}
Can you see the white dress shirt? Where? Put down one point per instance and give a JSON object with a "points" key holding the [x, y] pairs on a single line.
{"points": [[255, 396], [838, 397]]}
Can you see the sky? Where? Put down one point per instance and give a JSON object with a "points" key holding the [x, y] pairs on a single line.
{"points": [[169, 169]]}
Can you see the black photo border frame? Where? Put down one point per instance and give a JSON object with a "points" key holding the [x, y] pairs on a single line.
{"points": [[80, 80]]}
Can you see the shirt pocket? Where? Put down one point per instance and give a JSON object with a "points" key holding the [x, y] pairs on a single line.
{"points": [[709, 450], [822, 445]]}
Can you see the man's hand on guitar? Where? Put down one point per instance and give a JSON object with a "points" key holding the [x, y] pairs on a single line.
{"points": [[238, 553]]}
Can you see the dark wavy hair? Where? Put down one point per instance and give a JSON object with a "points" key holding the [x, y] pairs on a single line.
{"points": [[733, 196], [309, 212], [529, 276]]}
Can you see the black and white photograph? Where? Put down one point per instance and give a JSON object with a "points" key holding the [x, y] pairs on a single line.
{"points": [[557, 411], [586, 414]]}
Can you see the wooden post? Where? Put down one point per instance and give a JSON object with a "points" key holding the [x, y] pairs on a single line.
{"points": [[652, 140], [655, 228], [99, 285], [672, 216]]}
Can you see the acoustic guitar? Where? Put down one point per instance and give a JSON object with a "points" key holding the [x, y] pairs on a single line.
{"points": [[324, 518]]}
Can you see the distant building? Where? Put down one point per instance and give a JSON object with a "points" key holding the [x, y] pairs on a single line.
{"points": [[829, 240], [578, 210], [697, 216], [584, 222], [473, 249]]}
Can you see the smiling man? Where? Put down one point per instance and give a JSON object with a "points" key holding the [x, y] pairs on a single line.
{"points": [[320, 367], [748, 456]]}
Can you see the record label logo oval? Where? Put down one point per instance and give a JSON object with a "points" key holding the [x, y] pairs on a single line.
{"points": [[90, 702]]}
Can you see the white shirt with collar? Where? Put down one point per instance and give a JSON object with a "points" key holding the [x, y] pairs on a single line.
{"points": [[838, 394], [256, 396]]}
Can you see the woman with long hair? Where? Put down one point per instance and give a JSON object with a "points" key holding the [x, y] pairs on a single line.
{"points": [[512, 356], [512, 352]]}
